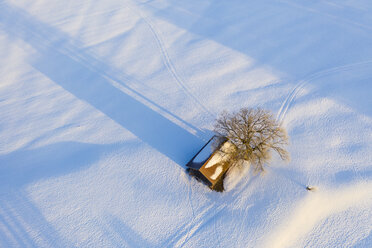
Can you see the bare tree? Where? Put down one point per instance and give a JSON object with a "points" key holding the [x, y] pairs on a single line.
{"points": [[254, 133]]}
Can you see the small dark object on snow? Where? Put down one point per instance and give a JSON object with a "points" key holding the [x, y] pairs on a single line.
{"points": [[310, 188]]}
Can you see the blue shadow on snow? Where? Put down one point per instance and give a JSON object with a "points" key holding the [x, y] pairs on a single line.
{"points": [[70, 68]]}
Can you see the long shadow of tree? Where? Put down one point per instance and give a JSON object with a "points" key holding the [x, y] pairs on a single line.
{"points": [[21, 223], [65, 64]]}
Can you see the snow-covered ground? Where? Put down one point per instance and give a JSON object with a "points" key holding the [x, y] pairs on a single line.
{"points": [[102, 103]]}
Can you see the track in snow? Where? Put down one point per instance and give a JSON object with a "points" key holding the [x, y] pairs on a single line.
{"points": [[169, 65], [298, 87]]}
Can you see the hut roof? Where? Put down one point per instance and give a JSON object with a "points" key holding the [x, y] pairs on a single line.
{"points": [[211, 161], [204, 154]]}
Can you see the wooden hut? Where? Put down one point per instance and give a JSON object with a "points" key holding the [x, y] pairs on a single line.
{"points": [[212, 161]]}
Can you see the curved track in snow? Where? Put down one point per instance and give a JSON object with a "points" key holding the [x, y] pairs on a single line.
{"points": [[170, 66], [302, 83]]}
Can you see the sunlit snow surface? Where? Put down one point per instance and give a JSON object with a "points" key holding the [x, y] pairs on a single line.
{"points": [[102, 103]]}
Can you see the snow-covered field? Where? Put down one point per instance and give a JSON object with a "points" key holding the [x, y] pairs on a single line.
{"points": [[102, 103]]}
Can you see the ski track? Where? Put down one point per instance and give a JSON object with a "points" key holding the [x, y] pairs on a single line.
{"points": [[210, 211], [217, 233], [169, 65], [302, 83], [206, 215], [187, 231], [192, 209], [243, 217]]}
